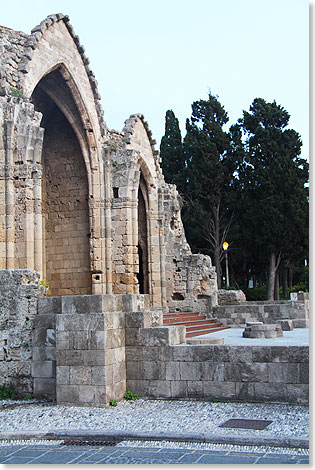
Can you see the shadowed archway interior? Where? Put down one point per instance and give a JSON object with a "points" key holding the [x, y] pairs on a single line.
{"points": [[65, 213], [143, 238]]}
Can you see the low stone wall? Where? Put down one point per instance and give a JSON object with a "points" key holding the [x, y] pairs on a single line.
{"points": [[87, 350], [19, 291], [267, 312], [158, 366]]}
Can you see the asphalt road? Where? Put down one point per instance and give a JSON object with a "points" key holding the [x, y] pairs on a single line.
{"points": [[60, 454]]}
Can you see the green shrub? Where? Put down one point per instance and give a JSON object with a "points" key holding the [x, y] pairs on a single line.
{"points": [[298, 288], [130, 396], [257, 293], [113, 402], [7, 393]]}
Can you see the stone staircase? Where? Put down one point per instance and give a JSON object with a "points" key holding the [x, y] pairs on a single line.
{"points": [[195, 323]]}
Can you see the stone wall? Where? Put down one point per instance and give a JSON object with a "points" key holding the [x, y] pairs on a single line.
{"points": [[19, 291], [66, 228], [159, 366], [267, 312]]}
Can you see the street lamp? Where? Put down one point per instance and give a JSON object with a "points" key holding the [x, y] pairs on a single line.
{"points": [[225, 247]]}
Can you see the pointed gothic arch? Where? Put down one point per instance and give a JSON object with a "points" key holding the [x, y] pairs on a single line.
{"points": [[65, 187]]}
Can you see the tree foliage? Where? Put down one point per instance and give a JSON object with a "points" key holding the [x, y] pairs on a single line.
{"points": [[273, 181], [171, 150], [247, 185]]}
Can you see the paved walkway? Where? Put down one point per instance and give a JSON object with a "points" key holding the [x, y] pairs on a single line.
{"points": [[43, 454]]}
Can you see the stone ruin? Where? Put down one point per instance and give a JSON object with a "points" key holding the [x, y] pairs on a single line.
{"points": [[86, 210]]}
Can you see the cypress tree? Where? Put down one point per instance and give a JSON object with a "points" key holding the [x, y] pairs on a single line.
{"points": [[171, 150]]}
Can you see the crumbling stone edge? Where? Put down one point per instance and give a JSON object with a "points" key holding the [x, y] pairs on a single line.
{"points": [[111, 436]]}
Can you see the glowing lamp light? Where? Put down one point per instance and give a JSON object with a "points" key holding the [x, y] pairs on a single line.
{"points": [[225, 246]]}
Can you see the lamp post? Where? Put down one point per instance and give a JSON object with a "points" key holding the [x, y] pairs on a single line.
{"points": [[225, 247]]}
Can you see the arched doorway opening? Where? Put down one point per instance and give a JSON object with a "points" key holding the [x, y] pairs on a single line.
{"points": [[65, 212], [143, 275]]}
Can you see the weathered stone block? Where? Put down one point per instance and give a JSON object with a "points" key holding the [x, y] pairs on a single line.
{"points": [[270, 391], [165, 353], [159, 389], [298, 393], [134, 353], [47, 321], [79, 304], [152, 370], [45, 386], [49, 305], [93, 357], [286, 325], [151, 353], [245, 391], [179, 389], [79, 339], [153, 336], [140, 387], [71, 358], [67, 394], [115, 338], [214, 372], [97, 339], [221, 390], [195, 389], [43, 369], [132, 336], [299, 354], [62, 340], [262, 354], [182, 353], [80, 375], [63, 375], [138, 320], [172, 371], [50, 353], [241, 354], [119, 372], [98, 375], [39, 353], [86, 394], [192, 371], [100, 396], [284, 373], [280, 353], [304, 373]]}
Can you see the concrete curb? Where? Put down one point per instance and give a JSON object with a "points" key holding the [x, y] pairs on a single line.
{"points": [[89, 435]]}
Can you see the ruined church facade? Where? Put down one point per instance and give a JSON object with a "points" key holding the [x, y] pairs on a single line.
{"points": [[85, 206], [86, 210]]}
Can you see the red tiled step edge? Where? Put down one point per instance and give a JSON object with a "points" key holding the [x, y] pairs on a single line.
{"points": [[195, 323], [204, 332]]}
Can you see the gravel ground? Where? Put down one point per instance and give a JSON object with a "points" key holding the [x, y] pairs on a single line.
{"points": [[156, 415]]}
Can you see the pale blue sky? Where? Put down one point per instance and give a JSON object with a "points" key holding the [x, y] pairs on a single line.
{"points": [[150, 56]]}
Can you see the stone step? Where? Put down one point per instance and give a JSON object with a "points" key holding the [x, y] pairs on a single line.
{"points": [[204, 332], [205, 326], [195, 323], [188, 322]]}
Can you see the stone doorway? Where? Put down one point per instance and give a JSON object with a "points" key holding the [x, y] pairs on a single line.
{"points": [[65, 212]]}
